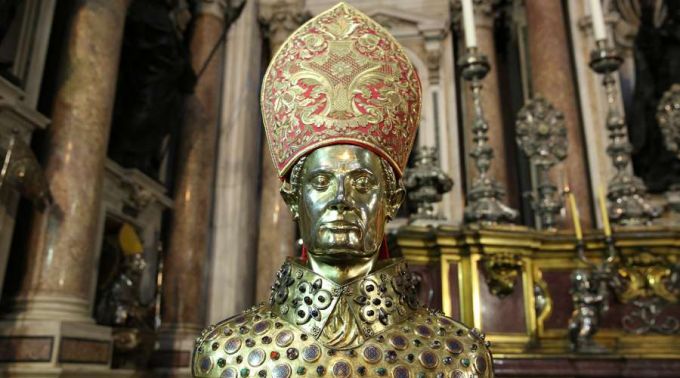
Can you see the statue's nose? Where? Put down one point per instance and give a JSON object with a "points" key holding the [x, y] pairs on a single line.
{"points": [[340, 202]]}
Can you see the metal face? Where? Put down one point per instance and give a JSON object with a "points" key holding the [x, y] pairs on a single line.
{"points": [[343, 205]]}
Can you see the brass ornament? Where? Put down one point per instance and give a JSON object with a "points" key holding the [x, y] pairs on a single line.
{"points": [[501, 271]]}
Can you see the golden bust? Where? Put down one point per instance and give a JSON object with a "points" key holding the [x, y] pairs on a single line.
{"points": [[340, 104]]}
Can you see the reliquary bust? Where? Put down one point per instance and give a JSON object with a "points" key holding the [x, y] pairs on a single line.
{"points": [[340, 105]]}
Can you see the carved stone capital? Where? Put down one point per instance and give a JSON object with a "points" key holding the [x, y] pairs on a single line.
{"points": [[280, 18]]}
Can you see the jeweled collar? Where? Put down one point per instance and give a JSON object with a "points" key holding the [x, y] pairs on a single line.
{"points": [[373, 303]]}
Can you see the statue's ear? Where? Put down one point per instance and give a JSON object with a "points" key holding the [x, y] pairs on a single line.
{"points": [[395, 200], [291, 198]]}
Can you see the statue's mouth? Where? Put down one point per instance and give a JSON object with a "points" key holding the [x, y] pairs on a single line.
{"points": [[340, 226]]}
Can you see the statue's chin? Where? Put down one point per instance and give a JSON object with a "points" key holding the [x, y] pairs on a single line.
{"points": [[341, 255]]}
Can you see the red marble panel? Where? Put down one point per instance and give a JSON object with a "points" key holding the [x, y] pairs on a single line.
{"points": [[454, 290], [502, 315], [558, 282], [430, 289], [84, 351], [585, 367], [26, 348]]}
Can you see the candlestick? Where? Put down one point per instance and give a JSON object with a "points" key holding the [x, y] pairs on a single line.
{"points": [[605, 215], [575, 216], [469, 24], [597, 17]]}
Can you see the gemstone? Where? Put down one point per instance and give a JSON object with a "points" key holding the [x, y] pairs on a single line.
{"points": [[250, 343], [205, 364], [301, 370], [227, 332], [292, 353], [480, 364], [311, 353], [399, 342], [390, 356], [215, 345], [417, 342], [372, 354], [243, 329], [420, 375], [410, 357], [303, 337], [436, 344], [320, 370], [465, 362], [441, 331], [212, 334], [381, 371], [256, 357], [401, 372], [266, 340], [245, 372], [428, 359], [446, 322], [447, 360], [282, 371], [221, 362], [458, 374], [454, 346], [278, 325], [440, 375], [423, 330], [262, 327], [262, 373], [274, 355], [342, 369], [239, 359], [229, 373], [232, 345], [361, 370], [284, 338]]}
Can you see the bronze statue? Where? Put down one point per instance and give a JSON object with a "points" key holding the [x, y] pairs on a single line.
{"points": [[340, 104], [590, 298]]}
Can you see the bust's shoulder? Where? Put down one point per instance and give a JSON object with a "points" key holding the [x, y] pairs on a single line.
{"points": [[218, 341]]}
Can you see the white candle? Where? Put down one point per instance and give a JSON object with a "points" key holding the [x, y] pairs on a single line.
{"points": [[469, 24], [598, 20]]}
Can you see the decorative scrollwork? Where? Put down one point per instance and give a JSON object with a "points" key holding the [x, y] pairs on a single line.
{"points": [[283, 281], [668, 116], [501, 271]]}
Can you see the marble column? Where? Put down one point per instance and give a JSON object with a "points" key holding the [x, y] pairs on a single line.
{"points": [[185, 262], [235, 219], [61, 257], [502, 165], [277, 230], [55, 295], [552, 77]]}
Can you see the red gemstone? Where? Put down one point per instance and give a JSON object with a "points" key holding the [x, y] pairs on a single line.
{"points": [[274, 355]]}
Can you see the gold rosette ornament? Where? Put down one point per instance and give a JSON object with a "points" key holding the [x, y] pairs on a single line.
{"points": [[341, 78]]}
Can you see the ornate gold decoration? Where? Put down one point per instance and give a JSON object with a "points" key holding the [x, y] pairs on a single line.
{"points": [[645, 275], [263, 342], [340, 79], [501, 271]]}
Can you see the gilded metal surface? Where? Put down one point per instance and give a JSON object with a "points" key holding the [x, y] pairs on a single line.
{"points": [[263, 343], [501, 272]]}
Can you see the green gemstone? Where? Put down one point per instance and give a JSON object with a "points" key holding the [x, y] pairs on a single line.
{"points": [[465, 362], [381, 371], [420, 375], [245, 372], [301, 370]]}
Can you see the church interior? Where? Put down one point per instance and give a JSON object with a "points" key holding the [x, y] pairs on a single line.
{"points": [[139, 204]]}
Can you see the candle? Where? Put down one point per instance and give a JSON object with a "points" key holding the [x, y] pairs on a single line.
{"points": [[605, 215], [469, 24], [598, 20], [576, 218]]}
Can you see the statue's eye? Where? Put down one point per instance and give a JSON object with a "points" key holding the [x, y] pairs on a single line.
{"points": [[320, 182], [362, 183]]}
